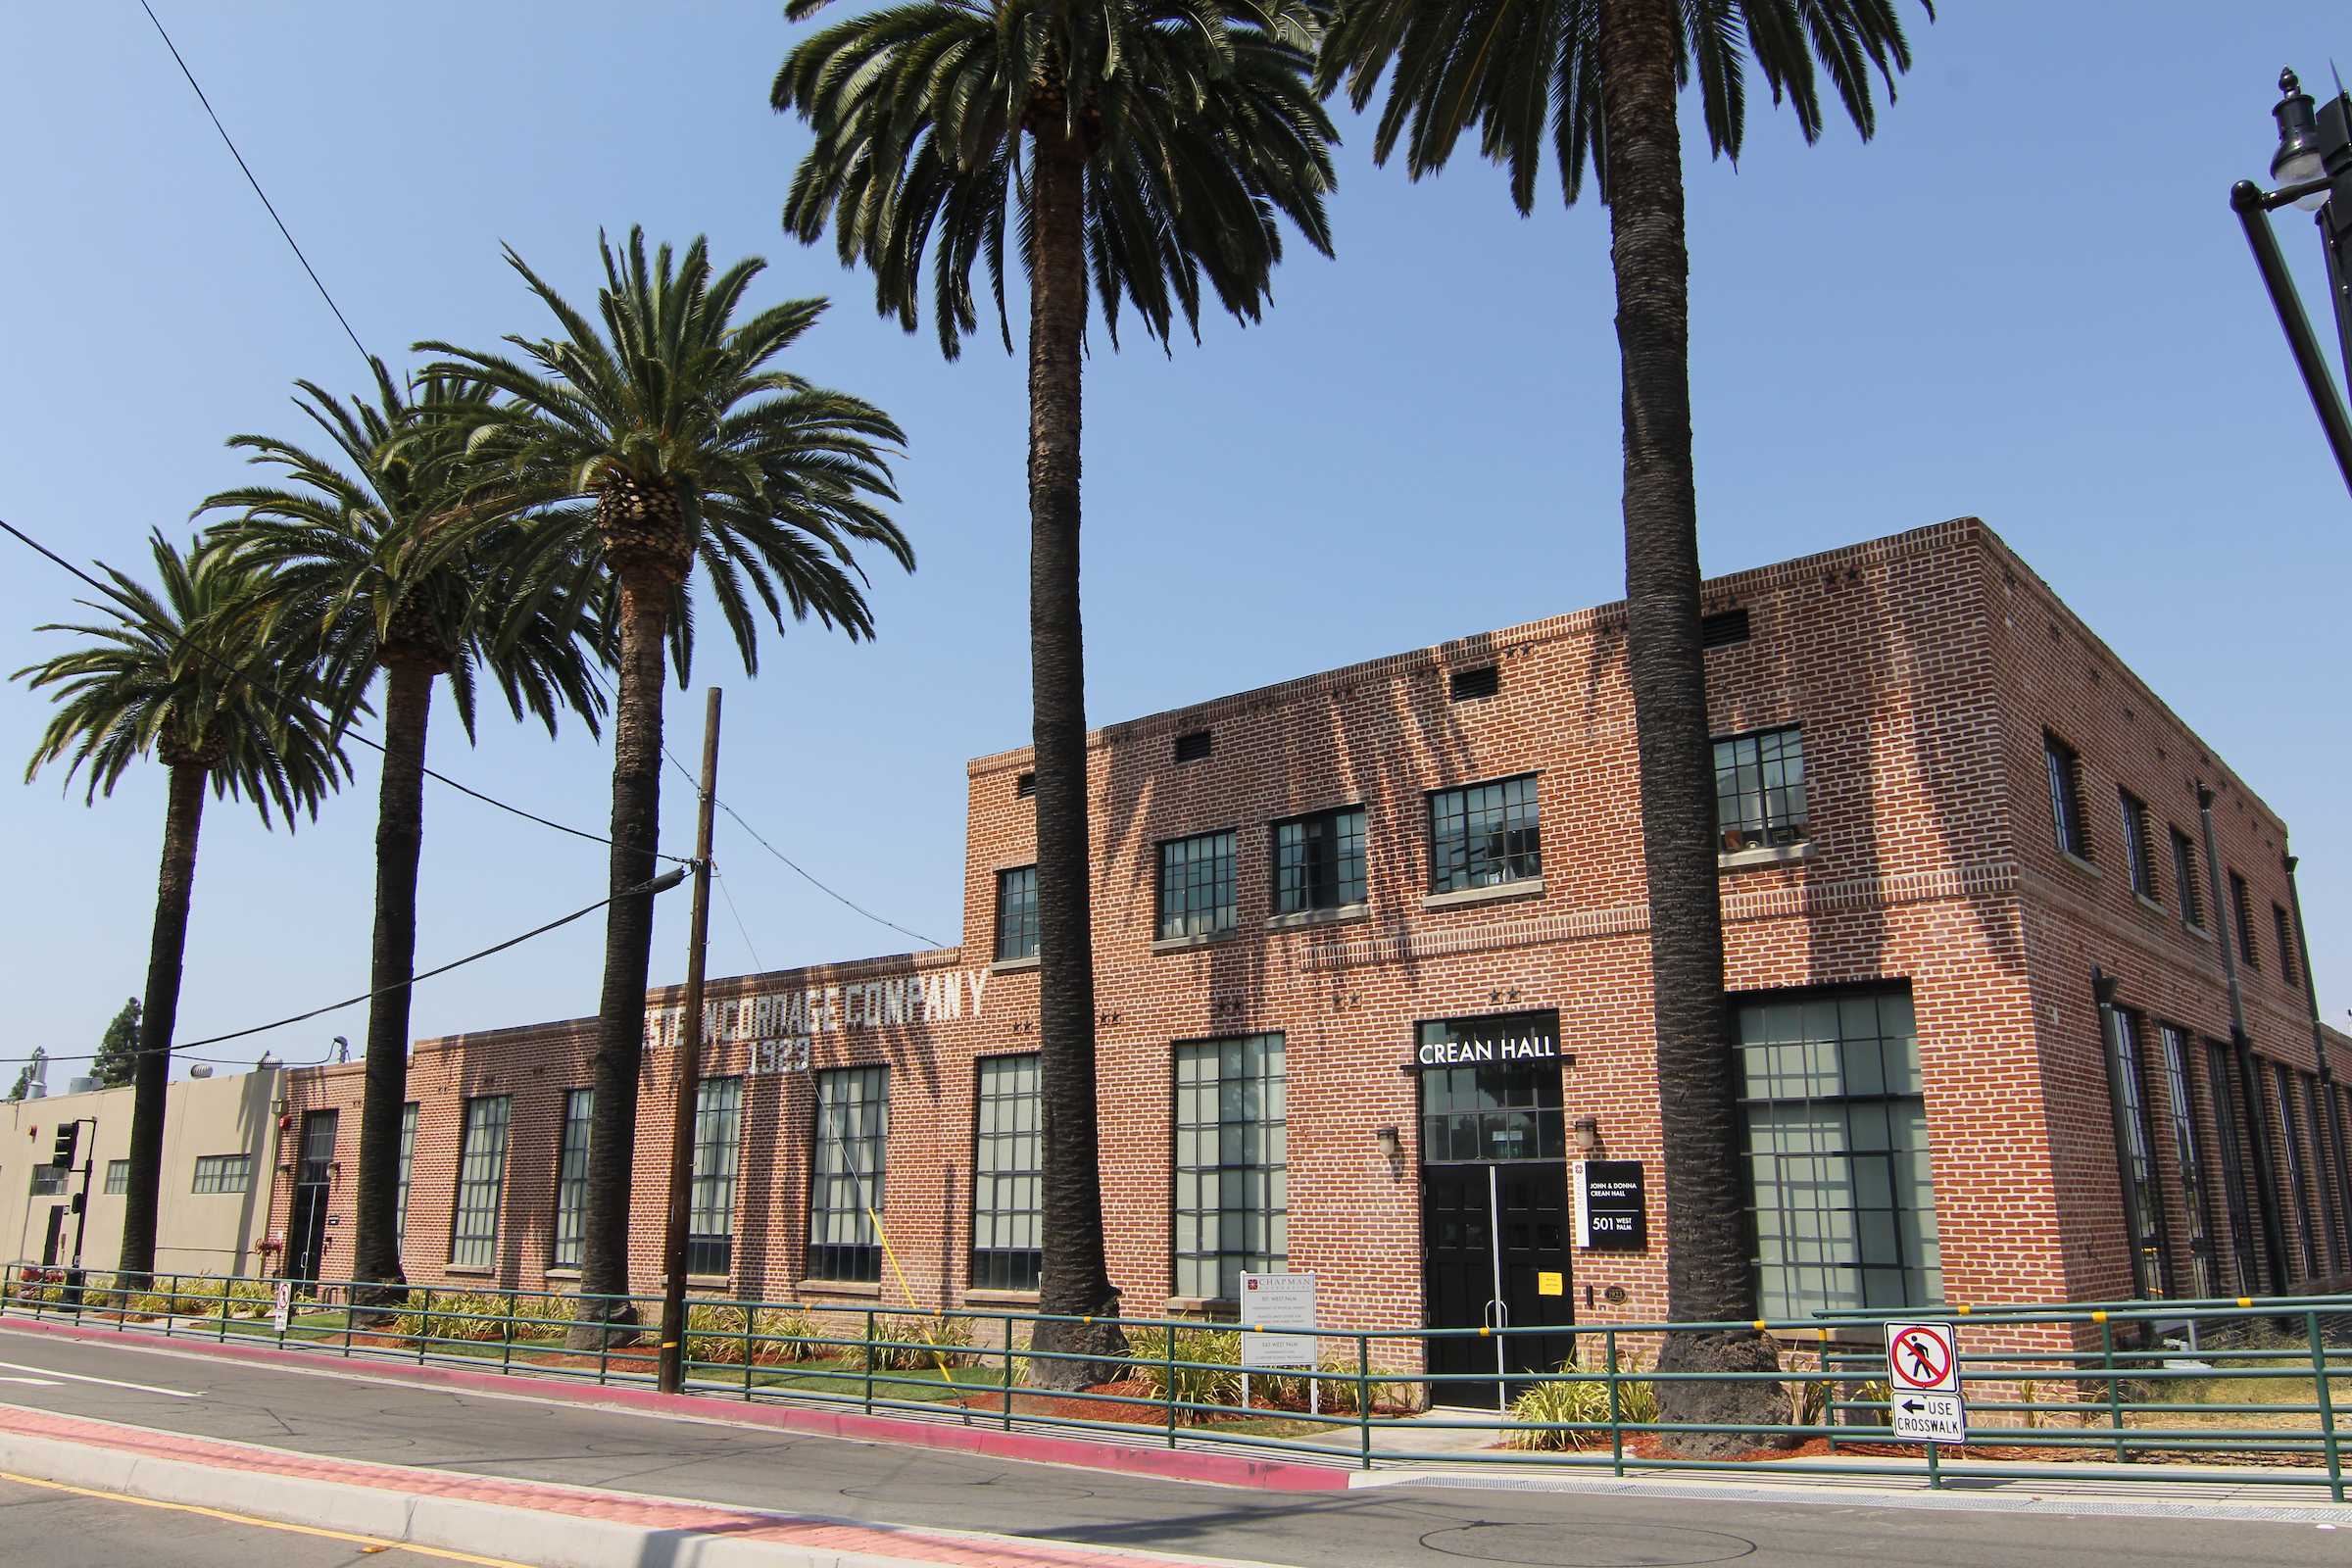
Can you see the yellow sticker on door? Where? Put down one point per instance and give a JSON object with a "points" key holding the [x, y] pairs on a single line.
{"points": [[1550, 1284]]}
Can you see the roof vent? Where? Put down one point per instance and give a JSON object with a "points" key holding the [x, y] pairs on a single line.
{"points": [[1469, 685], [1721, 631], [1024, 788], [1193, 748]]}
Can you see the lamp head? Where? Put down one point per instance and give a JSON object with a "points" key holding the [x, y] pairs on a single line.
{"points": [[1588, 1133], [2298, 157]]}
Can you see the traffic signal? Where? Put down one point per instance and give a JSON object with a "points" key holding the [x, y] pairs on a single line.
{"points": [[67, 1135]]}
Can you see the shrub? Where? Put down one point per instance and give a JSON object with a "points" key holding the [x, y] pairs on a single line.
{"points": [[1581, 1395], [714, 1333], [1218, 1382], [913, 1343]]}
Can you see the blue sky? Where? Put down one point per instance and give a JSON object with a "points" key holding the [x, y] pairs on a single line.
{"points": [[2027, 299]]}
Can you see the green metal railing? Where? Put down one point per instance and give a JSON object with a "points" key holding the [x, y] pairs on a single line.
{"points": [[2069, 1382]]}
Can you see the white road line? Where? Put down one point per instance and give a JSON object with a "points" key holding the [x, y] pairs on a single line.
{"points": [[112, 1383], [46, 1383]]}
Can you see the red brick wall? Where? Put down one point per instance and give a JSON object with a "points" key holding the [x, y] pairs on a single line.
{"points": [[1923, 669]]}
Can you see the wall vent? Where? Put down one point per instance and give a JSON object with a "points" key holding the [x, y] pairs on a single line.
{"points": [[1469, 685], [1194, 747], [1024, 788], [1721, 631]]}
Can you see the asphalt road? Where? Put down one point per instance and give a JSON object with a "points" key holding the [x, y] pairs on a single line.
{"points": [[52, 1527], [1387, 1527]]}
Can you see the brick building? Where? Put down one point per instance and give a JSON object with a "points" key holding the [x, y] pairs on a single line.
{"points": [[1372, 965]]}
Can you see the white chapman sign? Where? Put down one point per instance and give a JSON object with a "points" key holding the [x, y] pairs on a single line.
{"points": [[778, 1026], [1278, 1301]]}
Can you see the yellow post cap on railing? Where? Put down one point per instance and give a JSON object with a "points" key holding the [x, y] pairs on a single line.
{"points": [[2098, 1317]]}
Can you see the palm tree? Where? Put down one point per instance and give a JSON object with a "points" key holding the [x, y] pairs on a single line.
{"points": [[200, 676], [347, 553], [688, 447], [1163, 140], [1597, 78]]}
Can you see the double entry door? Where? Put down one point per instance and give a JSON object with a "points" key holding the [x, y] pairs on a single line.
{"points": [[1494, 1255]]}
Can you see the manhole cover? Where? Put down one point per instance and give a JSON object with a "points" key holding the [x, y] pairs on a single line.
{"points": [[1006, 1487], [1552, 1546]]}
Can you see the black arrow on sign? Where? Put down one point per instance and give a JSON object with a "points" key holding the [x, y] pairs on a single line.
{"points": [[1913, 1406]]}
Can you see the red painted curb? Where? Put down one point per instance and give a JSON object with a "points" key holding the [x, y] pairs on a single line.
{"points": [[1175, 1464]]}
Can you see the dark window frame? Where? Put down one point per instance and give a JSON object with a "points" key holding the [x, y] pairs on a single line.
{"points": [[2196, 1266], [118, 1179], [2139, 857], [2288, 973], [407, 1171], [1017, 922], [1189, 1266], [2235, 1139], [1191, 918], [995, 1219], [1512, 852], [1313, 872], [1766, 827], [2241, 911], [843, 1243], [718, 1166], [481, 1174], [2065, 767], [567, 1230], [2152, 1266], [2185, 873], [2285, 1085], [223, 1175]]}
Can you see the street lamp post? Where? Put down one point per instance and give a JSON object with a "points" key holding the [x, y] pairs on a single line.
{"points": [[2313, 168]]}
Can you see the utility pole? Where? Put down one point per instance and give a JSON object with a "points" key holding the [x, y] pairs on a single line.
{"points": [[688, 1074]]}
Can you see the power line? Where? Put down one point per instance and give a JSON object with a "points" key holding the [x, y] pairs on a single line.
{"points": [[268, 690], [660, 884], [787, 860], [255, 183], [759, 965]]}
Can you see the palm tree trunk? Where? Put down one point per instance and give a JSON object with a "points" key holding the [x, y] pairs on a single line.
{"points": [[1707, 1273], [183, 814], [399, 840], [1076, 1280], [628, 952]]}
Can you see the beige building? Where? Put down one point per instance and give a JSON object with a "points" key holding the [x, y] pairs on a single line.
{"points": [[218, 1135]]}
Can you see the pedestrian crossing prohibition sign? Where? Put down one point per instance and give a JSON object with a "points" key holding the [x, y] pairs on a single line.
{"points": [[1921, 1359]]}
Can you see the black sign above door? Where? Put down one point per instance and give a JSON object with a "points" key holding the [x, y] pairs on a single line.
{"points": [[1610, 1207]]}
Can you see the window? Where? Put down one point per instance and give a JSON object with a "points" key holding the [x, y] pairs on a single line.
{"points": [[852, 1137], [1474, 685], [571, 1181], [481, 1178], [2137, 846], [1760, 790], [2066, 805], [117, 1178], [1484, 835], [1496, 1111], [2185, 878], [1723, 630], [407, 1167], [2313, 1132], [1232, 1171], [1195, 886], [2241, 905], [1837, 1147], [711, 1214], [2196, 1277], [1016, 914], [1194, 747], [1007, 1163], [1319, 861], [48, 1180], [317, 1166], [222, 1173], [2229, 1123], [2286, 945], [2290, 1140], [2151, 1267]]}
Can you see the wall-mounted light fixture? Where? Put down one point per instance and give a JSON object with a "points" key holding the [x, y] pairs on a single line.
{"points": [[1392, 1147], [1588, 1133]]}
